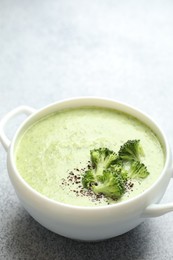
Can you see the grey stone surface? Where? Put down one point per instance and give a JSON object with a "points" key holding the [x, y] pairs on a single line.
{"points": [[50, 50]]}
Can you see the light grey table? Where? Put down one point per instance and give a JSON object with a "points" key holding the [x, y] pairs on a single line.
{"points": [[50, 50]]}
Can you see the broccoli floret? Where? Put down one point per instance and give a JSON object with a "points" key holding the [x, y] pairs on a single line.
{"points": [[102, 158], [120, 169], [110, 172], [137, 170], [111, 184], [131, 150], [105, 176], [88, 179]]}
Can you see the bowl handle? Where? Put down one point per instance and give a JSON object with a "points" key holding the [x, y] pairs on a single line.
{"points": [[156, 210], [19, 110]]}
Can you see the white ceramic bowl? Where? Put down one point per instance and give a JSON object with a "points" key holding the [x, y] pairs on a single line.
{"points": [[87, 223]]}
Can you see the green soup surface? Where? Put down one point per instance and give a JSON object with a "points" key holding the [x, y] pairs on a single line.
{"points": [[53, 153]]}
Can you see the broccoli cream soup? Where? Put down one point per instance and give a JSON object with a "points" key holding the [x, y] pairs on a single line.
{"points": [[54, 153]]}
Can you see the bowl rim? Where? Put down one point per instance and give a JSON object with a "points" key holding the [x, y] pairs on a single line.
{"points": [[41, 197]]}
